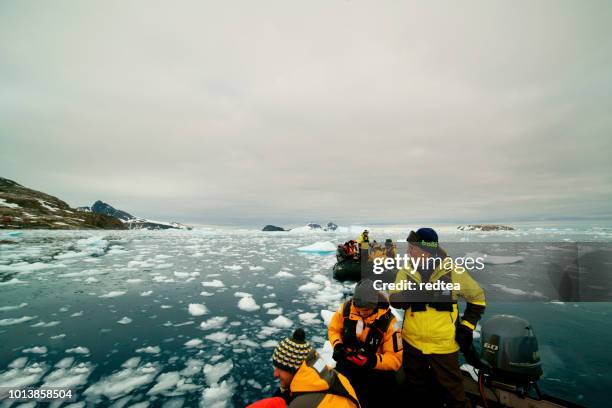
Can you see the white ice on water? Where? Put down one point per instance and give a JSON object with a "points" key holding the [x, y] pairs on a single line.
{"points": [[248, 304], [197, 309]]}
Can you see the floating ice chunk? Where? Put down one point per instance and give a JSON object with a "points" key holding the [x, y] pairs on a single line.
{"points": [[309, 318], [78, 350], [281, 322], [268, 305], [35, 350], [25, 267], [248, 304], [65, 362], [242, 294], [327, 316], [7, 308], [91, 279], [123, 382], [22, 377], [256, 268], [165, 382], [125, 320], [77, 314], [17, 320], [43, 324], [112, 294], [134, 280], [70, 255], [284, 274], [310, 287], [146, 293], [193, 343], [197, 309], [204, 293], [275, 311], [13, 281], [319, 247], [269, 344], [215, 283], [68, 377], [233, 267], [131, 363], [149, 350], [215, 372], [220, 337], [218, 395], [19, 362], [93, 245], [213, 323]]}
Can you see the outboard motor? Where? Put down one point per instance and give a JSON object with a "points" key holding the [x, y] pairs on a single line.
{"points": [[510, 349]]}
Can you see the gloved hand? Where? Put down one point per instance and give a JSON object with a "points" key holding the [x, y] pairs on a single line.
{"points": [[339, 352], [464, 337]]}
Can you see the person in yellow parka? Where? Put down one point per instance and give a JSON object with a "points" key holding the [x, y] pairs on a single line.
{"points": [[364, 240], [305, 379], [432, 332], [367, 344]]}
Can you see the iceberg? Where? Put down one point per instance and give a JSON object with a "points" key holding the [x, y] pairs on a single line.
{"points": [[319, 247]]}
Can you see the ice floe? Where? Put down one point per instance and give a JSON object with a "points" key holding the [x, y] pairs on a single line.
{"points": [[215, 283], [220, 337], [248, 304], [213, 323], [281, 322], [284, 274], [123, 382], [216, 372], [193, 343], [7, 308], [35, 350], [319, 247], [78, 350], [197, 309], [149, 350], [17, 320], [113, 294], [124, 320]]}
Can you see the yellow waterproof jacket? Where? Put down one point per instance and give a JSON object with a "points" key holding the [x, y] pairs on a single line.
{"points": [[363, 243], [429, 329], [318, 385], [389, 353]]}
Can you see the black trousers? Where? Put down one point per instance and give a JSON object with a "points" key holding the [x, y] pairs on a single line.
{"points": [[433, 380], [373, 387]]}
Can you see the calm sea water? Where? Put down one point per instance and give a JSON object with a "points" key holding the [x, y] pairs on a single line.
{"points": [[173, 318]]}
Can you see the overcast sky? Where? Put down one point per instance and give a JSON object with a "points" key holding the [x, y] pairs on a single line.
{"points": [[289, 111]]}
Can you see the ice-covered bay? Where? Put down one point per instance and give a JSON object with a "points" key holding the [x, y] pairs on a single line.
{"points": [[190, 317]]}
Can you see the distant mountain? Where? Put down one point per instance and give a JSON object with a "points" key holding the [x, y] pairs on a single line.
{"points": [[130, 221], [21, 207]]}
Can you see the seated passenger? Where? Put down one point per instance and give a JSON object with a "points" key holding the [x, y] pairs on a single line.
{"points": [[305, 379], [367, 344]]}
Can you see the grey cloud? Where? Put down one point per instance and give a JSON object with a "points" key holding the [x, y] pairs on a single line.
{"points": [[360, 112]]}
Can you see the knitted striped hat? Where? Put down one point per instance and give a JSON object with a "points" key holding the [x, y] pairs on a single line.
{"points": [[291, 352]]}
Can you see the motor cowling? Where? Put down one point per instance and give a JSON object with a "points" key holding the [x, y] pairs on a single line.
{"points": [[510, 348]]}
